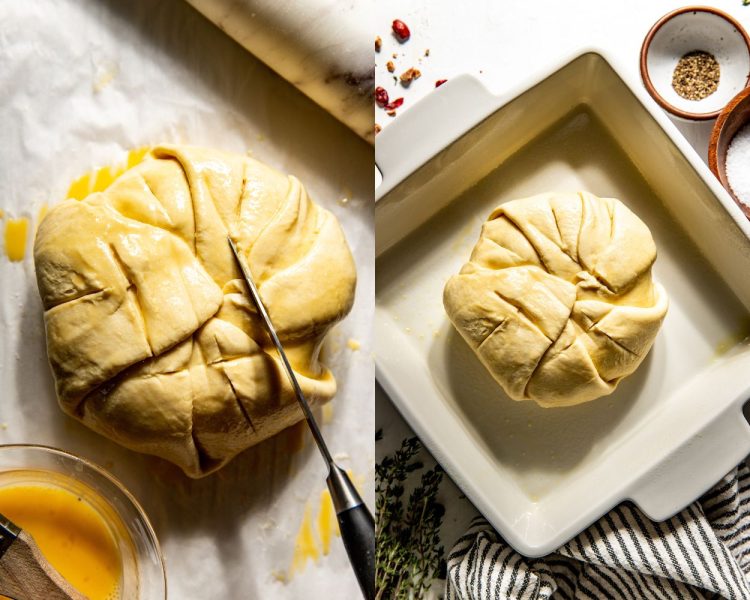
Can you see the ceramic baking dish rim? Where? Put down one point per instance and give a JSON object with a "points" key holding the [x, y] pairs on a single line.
{"points": [[395, 172]]}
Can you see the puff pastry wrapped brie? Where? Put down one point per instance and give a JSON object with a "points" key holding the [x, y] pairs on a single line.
{"points": [[557, 299], [151, 337]]}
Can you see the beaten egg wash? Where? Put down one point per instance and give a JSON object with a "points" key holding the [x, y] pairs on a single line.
{"points": [[71, 534]]}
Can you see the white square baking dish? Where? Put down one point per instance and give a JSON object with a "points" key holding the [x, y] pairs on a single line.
{"points": [[673, 428]]}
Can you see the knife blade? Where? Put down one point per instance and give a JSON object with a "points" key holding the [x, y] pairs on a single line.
{"points": [[355, 519]]}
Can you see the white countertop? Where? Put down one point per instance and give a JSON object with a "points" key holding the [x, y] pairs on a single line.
{"points": [[501, 43]]}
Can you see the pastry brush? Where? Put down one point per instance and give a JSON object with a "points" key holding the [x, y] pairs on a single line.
{"points": [[24, 572], [355, 520]]}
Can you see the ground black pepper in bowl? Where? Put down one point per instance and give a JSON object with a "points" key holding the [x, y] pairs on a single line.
{"points": [[696, 75]]}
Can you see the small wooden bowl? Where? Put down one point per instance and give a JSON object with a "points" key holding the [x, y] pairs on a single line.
{"points": [[682, 31], [735, 115]]}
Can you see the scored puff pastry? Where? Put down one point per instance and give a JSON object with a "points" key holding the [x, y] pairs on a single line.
{"points": [[557, 299], [152, 339]]}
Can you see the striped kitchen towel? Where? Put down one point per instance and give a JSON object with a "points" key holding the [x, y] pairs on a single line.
{"points": [[703, 552]]}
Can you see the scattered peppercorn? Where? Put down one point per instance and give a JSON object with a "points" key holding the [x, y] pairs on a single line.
{"points": [[440, 82], [378, 129], [378, 44], [401, 30], [696, 75], [381, 96], [394, 55], [427, 52], [391, 113], [410, 75], [390, 66]]}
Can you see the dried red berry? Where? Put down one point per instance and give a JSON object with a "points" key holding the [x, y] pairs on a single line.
{"points": [[401, 30], [381, 96], [440, 82], [394, 105]]}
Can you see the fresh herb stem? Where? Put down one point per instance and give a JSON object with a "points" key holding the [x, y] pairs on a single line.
{"points": [[408, 550]]}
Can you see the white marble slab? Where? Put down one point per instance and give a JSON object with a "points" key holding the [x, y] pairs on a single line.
{"points": [[323, 47]]}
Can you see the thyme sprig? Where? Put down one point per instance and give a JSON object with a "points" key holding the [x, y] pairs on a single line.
{"points": [[408, 550]]}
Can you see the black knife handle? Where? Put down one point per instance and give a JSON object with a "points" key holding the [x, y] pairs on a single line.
{"points": [[358, 532]]}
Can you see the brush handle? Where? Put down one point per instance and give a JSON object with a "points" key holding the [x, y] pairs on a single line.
{"points": [[9, 531], [26, 575], [358, 532]]}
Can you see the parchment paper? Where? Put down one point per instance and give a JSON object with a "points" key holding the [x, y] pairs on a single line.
{"points": [[83, 82]]}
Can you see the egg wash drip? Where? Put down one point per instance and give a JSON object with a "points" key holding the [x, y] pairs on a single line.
{"points": [[315, 534], [72, 535], [15, 238], [16, 230], [99, 180]]}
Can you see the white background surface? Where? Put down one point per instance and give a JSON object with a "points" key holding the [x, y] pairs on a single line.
{"points": [[502, 42], [84, 81]]}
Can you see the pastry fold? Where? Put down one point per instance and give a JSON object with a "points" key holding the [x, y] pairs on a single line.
{"points": [[557, 299], [152, 339]]}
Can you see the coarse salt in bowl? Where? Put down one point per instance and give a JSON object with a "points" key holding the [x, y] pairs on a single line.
{"points": [[729, 149], [738, 163], [689, 29]]}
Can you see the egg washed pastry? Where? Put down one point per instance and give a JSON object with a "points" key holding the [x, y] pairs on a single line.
{"points": [[557, 299], [152, 339]]}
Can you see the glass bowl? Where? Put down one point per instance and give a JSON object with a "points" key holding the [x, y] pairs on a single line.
{"points": [[143, 573]]}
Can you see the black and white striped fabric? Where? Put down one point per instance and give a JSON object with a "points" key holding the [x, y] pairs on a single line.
{"points": [[703, 552]]}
